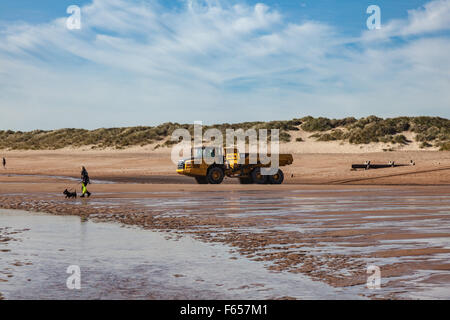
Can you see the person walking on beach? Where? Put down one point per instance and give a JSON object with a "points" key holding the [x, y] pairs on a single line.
{"points": [[4, 163], [84, 182]]}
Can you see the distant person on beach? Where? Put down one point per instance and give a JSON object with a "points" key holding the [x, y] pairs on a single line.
{"points": [[84, 182], [4, 163]]}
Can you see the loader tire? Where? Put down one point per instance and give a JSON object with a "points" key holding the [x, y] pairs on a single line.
{"points": [[201, 180], [257, 177], [215, 175], [277, 178]]}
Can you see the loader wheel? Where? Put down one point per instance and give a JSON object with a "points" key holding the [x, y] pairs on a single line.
{"points": [[201, 180], [257, 177], [215, 175], [246, 180], [277, 178]]}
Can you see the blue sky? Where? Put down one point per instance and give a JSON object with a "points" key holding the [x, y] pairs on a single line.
{"points": [[341, 12], [147, 62]]}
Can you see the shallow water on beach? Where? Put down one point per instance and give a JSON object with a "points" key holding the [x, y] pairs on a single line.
{"points": [[131, 263]]}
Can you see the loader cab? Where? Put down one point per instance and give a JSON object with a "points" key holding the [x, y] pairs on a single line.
{"points": [[233, 156], [208, 154]]}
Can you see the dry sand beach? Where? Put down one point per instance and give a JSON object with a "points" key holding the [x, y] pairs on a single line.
{"points": [[326, 222]]}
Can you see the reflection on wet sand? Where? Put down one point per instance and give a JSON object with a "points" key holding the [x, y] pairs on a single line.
{"points": [[131, 263], [330, 235]]}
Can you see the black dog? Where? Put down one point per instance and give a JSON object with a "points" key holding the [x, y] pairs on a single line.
{"points": [[70, 194]]}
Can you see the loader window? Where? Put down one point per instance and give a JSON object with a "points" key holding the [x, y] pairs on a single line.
{"points": [[211, 153], [197, 153], [205, 153]]}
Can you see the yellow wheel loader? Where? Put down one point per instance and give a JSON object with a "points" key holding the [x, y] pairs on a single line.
{"points": [[212, 164]]}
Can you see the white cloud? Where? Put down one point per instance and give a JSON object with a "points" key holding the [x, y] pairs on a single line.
{"points": [[141, 63], [434, 16]]}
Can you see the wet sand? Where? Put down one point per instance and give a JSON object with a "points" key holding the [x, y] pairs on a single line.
{"points": [[131, 263], [327, 232]]}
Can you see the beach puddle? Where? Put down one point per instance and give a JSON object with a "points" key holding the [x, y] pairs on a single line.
{"points": [[130, 263]]}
